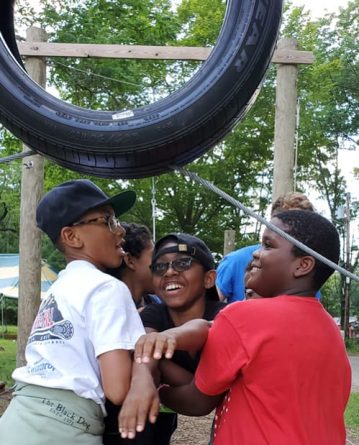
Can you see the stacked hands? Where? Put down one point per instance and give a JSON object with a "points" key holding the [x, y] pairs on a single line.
{"points": [[155, 345], [142, 401]]}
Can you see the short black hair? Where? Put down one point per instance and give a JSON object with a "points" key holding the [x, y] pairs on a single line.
{"points": [[316, 232]]}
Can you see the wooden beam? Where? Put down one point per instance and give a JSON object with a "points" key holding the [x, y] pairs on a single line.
{"points": [[229, 241], [113, 51], [293, 57], [45, 49]]}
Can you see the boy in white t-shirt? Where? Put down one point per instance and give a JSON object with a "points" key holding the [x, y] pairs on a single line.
{"points": [[78, 350]]}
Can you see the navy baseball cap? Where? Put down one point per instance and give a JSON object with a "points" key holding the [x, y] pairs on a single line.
{"points": [[191, 246], [67, 202]]}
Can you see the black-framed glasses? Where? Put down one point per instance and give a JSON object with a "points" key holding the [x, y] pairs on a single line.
{"points": [[179, 265], [112, 222]]}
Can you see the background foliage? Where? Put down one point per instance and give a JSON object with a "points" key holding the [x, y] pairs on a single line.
{"points": [[241, 165]]}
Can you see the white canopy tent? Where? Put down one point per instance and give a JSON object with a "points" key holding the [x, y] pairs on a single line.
{"points": [[9, 278]]}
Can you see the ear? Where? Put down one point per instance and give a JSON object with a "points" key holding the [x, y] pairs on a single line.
{"points": [[210, 278], [70, 237], [130, 261], [305, 266]]}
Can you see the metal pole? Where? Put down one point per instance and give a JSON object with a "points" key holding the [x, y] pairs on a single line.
{"points": [[296, 147], [154, 214], [2, 315]]}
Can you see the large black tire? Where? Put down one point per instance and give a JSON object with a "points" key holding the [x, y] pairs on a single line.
{"points": [[7, 27], [147, 140]]}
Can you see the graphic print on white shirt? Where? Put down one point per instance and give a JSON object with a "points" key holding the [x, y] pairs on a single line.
{"points": [[49, 323], [86, 313]]}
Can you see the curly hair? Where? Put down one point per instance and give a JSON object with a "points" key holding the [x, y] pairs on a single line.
{"points": [[138, 237], [316, 232], [292, 200]]}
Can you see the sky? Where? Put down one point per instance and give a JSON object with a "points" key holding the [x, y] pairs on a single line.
{"points": [[319, 7]]}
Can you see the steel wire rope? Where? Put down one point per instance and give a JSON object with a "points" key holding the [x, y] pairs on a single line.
{"points": [[209, 185], [268, 224], [94, 74], [17, 156]]}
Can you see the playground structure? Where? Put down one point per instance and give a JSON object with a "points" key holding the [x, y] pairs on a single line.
{"points": [[286, 57]]}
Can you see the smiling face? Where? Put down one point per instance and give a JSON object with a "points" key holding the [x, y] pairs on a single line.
{"points": [[274, 266], [182, 290], [92, 240]]}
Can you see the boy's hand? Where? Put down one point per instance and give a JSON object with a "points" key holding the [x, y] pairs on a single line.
{"points": [[155, 345], [141, 403]]}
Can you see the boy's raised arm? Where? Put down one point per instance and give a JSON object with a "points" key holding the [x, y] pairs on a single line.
{"points": [[188, 400], [115, 369], [141, 403], [190, 336]]}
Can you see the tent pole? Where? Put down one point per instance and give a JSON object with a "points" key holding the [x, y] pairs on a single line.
{"points": [[2, 316]]}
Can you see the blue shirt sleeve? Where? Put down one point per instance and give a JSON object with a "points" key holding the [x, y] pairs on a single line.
{"points": [[230, 273]]}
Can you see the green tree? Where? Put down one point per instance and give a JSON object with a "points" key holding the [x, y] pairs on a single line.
{"points": [[242, 164], [107, 83], [328, 92], [9, 194], [330, 294], [328, 121], [184, 206]]}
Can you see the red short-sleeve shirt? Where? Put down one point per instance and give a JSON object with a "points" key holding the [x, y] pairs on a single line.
{"points": [[283, 366]]}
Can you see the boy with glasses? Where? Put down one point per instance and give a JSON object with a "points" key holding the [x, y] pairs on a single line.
{"points": [[78, 351], [184, 278]]}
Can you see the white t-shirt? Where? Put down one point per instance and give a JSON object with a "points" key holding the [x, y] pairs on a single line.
{"points": [[85, 313]]}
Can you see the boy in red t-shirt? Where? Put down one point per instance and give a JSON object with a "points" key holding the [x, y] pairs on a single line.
{"points": [[276, 367]]}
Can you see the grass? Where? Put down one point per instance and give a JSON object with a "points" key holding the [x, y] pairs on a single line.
{"points": [[352, 346], [7, 360], [9, 330], [352, 411]]}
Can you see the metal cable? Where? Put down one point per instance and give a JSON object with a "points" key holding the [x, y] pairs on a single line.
{"points": [[268, 224], [237, 204], [17, 156]]}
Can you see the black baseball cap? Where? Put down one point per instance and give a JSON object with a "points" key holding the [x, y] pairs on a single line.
{"points": [[67, 202], [191, 246]]}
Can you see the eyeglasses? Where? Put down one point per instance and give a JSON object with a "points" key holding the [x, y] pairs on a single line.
{"points": [[112, 222], [179, 265]]}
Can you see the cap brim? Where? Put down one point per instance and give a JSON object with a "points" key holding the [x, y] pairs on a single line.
{"points": [[122, 202]]}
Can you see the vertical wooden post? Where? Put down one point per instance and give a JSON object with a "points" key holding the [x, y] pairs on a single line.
{"points": [[229, 241], [285, 121], [30, 236]]}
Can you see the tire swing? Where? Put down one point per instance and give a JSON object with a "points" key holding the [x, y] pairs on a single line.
{"points": [[144, 141]]}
